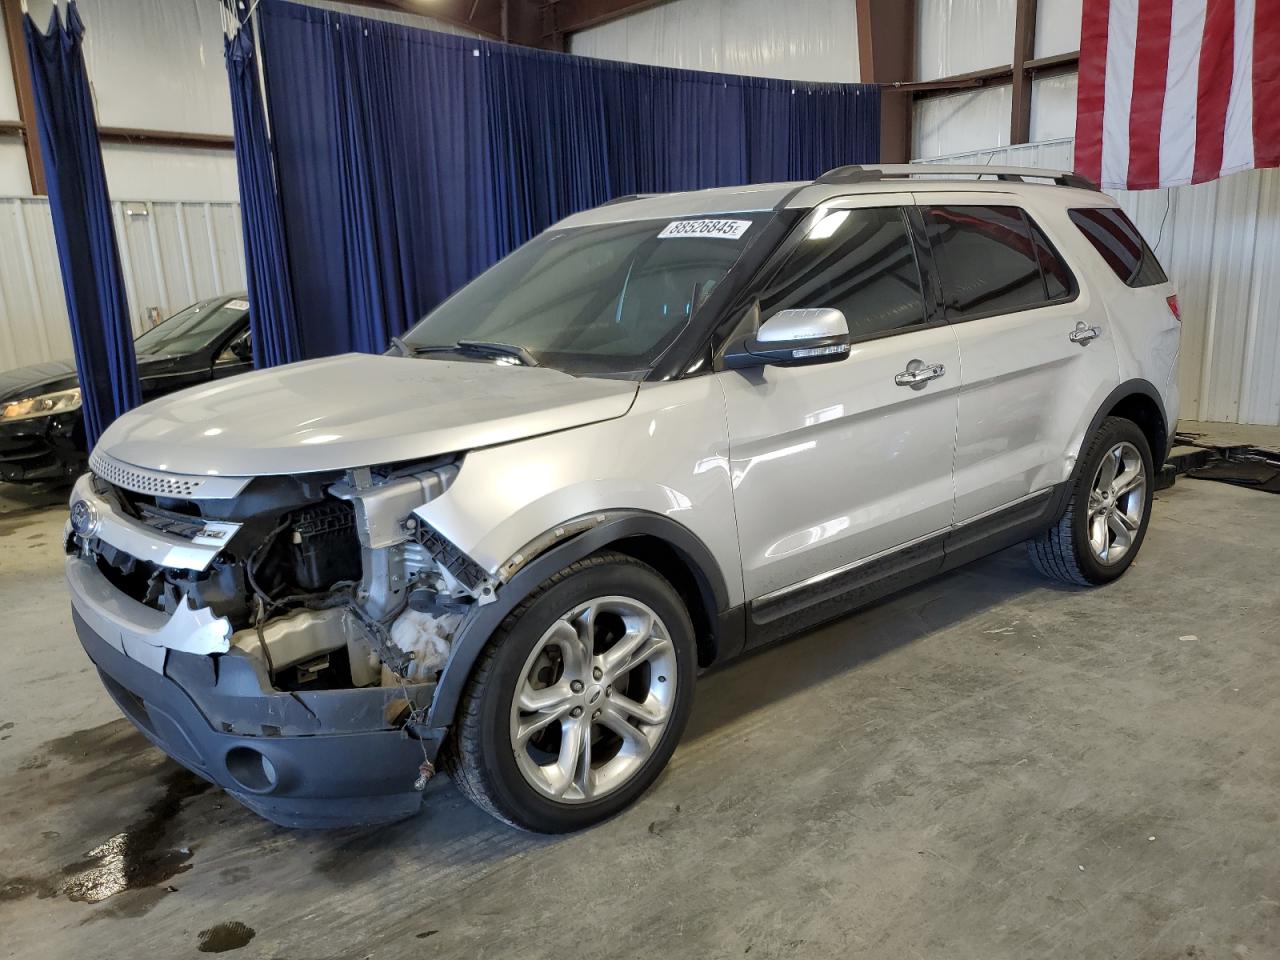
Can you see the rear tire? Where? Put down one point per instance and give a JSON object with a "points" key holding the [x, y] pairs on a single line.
{"points": [[1106, 520], [578, 700]]}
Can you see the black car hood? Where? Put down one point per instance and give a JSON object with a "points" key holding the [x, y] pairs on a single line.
{"points": [[37, 379], [61, 375]]}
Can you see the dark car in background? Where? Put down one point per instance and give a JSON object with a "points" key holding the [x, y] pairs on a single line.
{"points": [[41, 428]]}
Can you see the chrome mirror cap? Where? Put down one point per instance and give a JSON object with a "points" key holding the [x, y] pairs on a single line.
{"points": [[812, 324], [791, 338]]}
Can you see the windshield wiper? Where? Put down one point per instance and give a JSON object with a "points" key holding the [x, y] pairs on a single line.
{"points": [[484, 348], [493, 348]]}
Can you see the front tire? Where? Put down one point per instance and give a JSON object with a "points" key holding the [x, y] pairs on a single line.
{"points": [[1106, 521], [578, 700]]}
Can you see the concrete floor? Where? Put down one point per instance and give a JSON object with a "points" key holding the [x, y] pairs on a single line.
{"points": [[985, 767]]}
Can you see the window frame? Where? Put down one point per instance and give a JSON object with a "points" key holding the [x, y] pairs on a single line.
{"points": [[1033, 226], [905, 207]]}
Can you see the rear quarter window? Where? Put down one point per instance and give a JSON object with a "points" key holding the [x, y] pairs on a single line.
{"points": [[1120, 244]]}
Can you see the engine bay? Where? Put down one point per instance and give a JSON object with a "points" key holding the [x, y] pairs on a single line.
{"points": [[328, 582]]}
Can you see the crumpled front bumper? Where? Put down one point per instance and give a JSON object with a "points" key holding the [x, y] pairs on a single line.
{"points": [[321, 758]]}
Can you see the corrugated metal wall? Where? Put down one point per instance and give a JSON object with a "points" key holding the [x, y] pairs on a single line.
{"points": [[172, 254], [1220, 242]]}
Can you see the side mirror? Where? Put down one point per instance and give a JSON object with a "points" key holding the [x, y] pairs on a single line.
{"points": [[792, 338], [239, 349]]}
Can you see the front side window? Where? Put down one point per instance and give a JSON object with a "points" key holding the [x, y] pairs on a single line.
{"points": [[1115, 237], [239, 350], [861, 262], [598, 300], [987, 260]]}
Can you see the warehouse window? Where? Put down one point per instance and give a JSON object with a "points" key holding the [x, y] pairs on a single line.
{"points": [[861, 262], [994, 260], [1115, 237]]}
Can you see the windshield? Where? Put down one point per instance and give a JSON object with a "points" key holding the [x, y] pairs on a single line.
{"points": [[195, 328], [599, 300]]}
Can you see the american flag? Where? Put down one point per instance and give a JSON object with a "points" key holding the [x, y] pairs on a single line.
{"points": [[1177, 91]]}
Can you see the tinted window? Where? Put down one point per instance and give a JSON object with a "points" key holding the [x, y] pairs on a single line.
{"points": [[859, 261], [1115, 237], [1058, 281], [987, 260]]}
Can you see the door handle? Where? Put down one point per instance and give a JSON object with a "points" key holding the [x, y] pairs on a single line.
{"points": [[918, 373], [1083, 334]]}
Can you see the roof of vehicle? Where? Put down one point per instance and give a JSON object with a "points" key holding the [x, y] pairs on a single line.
{"points": [[843, 181]]}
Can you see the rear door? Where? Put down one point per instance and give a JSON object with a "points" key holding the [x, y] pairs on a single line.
{"points": [[1036, 350], [835, 463]]}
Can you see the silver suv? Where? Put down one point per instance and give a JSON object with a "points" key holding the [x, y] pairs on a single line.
{"points": [[663, 432]]}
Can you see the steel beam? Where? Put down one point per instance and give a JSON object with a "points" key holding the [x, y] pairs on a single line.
{"points": [[12, 15], [886, 56], [1024, 42], [166, 138]]}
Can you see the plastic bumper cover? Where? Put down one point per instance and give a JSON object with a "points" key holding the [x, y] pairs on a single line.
{"points": [[302, 759]]}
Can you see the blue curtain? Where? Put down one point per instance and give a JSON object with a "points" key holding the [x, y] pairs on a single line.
{"points": [[82, 225], [409, 160], [274, 325]]}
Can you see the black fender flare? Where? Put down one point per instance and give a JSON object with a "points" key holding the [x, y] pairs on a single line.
{"points": [[1127, 389], [480, 623]]}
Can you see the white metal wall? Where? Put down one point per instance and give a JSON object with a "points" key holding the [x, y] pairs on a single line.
{"points": [[155, 65], [172, 254], [1220, 242], [809, 40], [958, 36]]}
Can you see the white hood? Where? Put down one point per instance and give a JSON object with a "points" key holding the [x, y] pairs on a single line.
{"points": [[355, 410]]}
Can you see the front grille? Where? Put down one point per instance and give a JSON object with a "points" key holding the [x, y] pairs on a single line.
{"points": [[175, 524], [144, 481], [156, 483]]}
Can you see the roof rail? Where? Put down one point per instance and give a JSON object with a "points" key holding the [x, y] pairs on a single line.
{"points": [[873, 173]]}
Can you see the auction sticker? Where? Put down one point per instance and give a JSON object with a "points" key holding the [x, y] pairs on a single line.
{"points": [[724, 229]]}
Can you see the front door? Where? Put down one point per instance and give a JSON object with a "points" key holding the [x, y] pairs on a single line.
{"points": [[836, 463]]}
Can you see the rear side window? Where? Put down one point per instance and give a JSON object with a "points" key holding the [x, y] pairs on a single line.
{"points": [[994, 260], [859, 261], [1059, 284], [1115, 237]]}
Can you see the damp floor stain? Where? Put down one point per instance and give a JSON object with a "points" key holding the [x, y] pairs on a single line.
{"points": [[137, 858], [221, 937]]}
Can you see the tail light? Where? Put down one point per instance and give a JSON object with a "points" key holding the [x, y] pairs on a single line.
{"points": [[1174, 308]]}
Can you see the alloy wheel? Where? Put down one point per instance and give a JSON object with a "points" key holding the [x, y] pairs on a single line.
{"points": [[593, 699], [1117, 502]]}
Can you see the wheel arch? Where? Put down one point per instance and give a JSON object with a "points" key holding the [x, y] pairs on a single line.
{"points": [[667, 546], [1138, 401]]}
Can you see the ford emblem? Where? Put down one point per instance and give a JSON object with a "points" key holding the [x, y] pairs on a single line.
{"points": [[84, 519]]}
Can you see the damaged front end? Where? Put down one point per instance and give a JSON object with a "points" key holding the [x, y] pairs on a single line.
{"points": [[282, 636]]}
